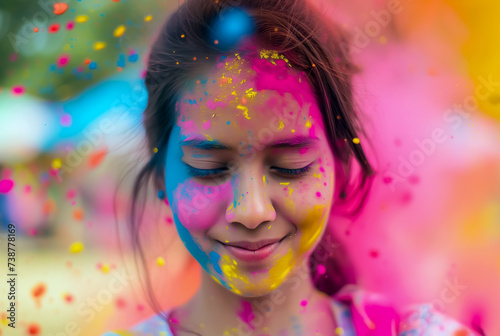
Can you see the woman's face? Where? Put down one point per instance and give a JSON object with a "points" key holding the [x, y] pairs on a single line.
{"points": [[250, 173]]}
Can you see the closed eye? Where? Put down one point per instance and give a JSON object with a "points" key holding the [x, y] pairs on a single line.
{"points": [[203, 173]]}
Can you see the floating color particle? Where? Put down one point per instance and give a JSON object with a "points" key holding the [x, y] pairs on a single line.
{"points": [[71, 194], [87, 61], [303, 303], [36, 30], [60, 8], [148, 18], [120, 302], [321, 269], [140, 307], [37, 293], [33, 329], [54, 28], [67, 297], [27, 188], [96, 158], [105, 268], [76, 247], [6, 186], [374, 253], [66, 120], [13, 57], [56, 163], [339, 331], [355, 140], [160, 261], [63, 60], [81, 18], [92, 65], [18, 90], [119, 31], [99, 45], [49, 206], [78, 214], [70, 25], [318, 194]]}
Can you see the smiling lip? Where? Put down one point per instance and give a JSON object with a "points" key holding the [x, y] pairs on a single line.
{"points": [[252, 251]]}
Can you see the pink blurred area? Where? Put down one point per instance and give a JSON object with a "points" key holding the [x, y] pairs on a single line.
{"points": [[429, 91]]}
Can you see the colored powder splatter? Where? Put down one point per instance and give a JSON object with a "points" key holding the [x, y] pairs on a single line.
{"points": [[71, 194], [36, 30], [92, 65], [54, 28], [49, 206], [6, 186], [96, 158], [303, 303], [148, 18], [60, 8], [66, 120], [99, 45], [318, 194], [81, 18], [34, 329], [56, 163], [68, 297], [78, 214], [76, 247], [160, 261], [18, 90], [70, 25], [87, 61], [27, 188], [246, 314], [321, 269], [105, 268], [63, 60], [206, 124], [140, 307], [374, 253], [37, 293], [120, 302], [119, 31]]}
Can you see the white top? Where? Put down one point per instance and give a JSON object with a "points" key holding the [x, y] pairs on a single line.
{"points": [[351, 317]]}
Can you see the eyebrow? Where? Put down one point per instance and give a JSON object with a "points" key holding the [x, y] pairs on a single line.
{"points": [[296, 141]]}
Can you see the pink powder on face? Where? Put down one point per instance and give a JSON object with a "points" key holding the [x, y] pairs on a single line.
{"points": [[206, 124], [211, 104]]}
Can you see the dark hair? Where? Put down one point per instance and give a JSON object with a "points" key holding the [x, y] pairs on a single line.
{"points": [[299, 32]]}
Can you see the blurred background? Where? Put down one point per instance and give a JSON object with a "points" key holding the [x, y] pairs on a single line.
{"points": [[71, 98]]}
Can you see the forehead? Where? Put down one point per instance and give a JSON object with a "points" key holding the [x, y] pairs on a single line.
{"points": [[242, 94]]}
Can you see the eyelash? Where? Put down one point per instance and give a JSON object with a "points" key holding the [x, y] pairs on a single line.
{"points": [[210, 172]]}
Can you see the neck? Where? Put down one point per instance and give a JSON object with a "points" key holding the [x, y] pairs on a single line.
{"points": [[214, 310]]}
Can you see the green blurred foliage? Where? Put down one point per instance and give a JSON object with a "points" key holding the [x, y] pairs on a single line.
{"points": [[30, 58]]}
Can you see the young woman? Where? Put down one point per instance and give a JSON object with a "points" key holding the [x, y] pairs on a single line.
{"points": [[254, 136]]}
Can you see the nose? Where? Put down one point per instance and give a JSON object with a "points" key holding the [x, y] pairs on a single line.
{"points": [[251, 205]]}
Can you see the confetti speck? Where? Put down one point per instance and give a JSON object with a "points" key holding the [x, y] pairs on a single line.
{"points": [[119, 31], [76, 247], [54, 28], [60, 8], [18, 90], [99, 45], [6, 186], [81, 18]]}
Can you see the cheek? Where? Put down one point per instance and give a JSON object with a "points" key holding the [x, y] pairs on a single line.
{"points": [[199, 207], [309, 205]]}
